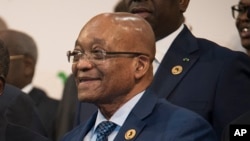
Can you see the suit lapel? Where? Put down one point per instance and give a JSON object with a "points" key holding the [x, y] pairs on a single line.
{"points": [[180, 58], [87, 127], [135, 121]]}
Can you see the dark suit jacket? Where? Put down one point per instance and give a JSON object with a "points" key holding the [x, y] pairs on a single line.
{"points": [[155, 120], [244, 119], [47, 108], [17, 108], [16, 132], [67, 108], [214, 82]]}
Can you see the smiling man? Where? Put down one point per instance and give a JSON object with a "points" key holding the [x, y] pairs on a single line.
{"points": [[241, 15], [112, 66]]}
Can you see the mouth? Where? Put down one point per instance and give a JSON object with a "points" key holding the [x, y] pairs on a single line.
{"points": [[140, 11], [86, 81], [245, 32]]}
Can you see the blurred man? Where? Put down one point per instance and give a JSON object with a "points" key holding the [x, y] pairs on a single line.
{"points": [[23, 59], [18, 116]]}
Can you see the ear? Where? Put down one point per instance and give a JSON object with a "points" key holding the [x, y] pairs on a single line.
{"points": [[183, 5], [142, 66], [29, 66]]}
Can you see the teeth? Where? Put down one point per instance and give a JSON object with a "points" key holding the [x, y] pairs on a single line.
{"points": [[245, 29]]}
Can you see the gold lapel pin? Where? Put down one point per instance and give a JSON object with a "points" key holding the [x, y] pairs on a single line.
{"points": [[130, 134], [177, 70]]}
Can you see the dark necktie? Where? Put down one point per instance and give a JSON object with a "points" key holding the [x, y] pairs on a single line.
{"points": [[104, 129]]}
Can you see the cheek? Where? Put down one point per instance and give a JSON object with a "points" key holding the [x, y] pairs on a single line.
{"points": [[12, 73], [237, 23], [74, 69]]}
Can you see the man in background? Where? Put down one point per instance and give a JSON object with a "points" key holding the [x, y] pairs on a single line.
{"points": [[19, 119], [23, 59], [241, 14]]}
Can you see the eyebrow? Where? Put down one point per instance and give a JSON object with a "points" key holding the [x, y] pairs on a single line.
{"points": [[94, 41]]}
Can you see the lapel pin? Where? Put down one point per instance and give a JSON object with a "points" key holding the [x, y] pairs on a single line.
{"points": [[177, 70], [130, 134], [185, 59]]}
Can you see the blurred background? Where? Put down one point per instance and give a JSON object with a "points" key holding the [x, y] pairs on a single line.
{"points": [[55, 24]]}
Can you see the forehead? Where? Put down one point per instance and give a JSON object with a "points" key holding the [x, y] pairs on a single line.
{"points": [[88, 42], [105, 36]]}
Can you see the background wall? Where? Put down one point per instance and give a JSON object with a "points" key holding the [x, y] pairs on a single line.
{"points": [[55, 24]]}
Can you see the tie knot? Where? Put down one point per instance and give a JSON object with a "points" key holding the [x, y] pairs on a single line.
{"points": [[104, 129]]}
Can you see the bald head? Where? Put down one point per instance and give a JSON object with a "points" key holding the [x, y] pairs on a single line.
{"points": [[121, 29], [111, 48], [19, 43], [23, 57]]}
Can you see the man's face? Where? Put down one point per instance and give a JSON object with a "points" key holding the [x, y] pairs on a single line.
{"points": [[102, 81], [164, 15], [16, 70], [243, 25]]}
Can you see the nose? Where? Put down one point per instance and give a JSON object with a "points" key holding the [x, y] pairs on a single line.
{"points": [[83, 64]]}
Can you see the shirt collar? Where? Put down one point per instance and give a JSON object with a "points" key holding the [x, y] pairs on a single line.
{"points": [[121, 114], [27, 89], [164, 44]]}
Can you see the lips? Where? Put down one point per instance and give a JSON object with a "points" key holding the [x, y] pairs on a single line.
{"points": [[141, 11], [86, 79], [245, 32]]}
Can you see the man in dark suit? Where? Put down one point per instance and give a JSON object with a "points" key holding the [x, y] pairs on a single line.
{"points": [[113, 70], [195, 73], [19, 119], [242, 21], [23, 58], [192, 72]]}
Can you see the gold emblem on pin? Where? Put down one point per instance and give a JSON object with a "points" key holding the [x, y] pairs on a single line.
{"points": [[130, 134], [177, 70]]}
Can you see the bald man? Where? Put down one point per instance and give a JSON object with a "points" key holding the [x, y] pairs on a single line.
{"points": [[112, 67]]}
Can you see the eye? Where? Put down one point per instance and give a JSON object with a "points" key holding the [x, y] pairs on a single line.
{"points": [[76, 55], [242, 8], [98, 54]]}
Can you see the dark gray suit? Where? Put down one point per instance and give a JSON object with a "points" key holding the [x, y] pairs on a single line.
{"points": [[47, 108], [16, 108]]}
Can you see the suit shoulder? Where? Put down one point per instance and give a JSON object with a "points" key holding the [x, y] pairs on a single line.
{"points": [[38, 94], [74, 134], [217, 49], [12, 93], [179, 113]]}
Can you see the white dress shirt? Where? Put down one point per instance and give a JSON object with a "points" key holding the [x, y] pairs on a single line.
{"points": [[27, 89], [118, 118], [162, 47]]}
